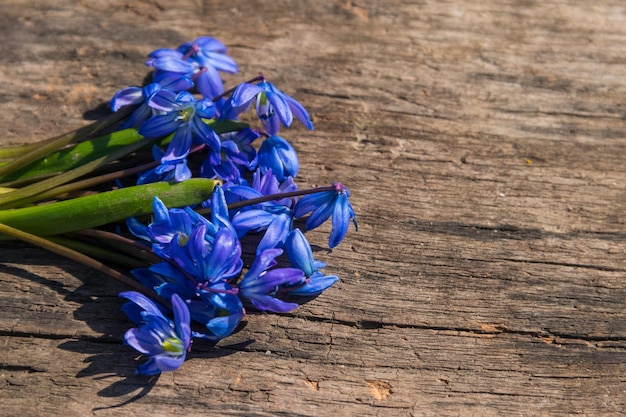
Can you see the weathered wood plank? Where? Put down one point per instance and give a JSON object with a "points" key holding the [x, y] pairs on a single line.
{"points": [[484, 146]]}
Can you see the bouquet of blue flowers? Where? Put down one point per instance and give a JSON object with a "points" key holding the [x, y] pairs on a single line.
{"points": [[169, 187]]}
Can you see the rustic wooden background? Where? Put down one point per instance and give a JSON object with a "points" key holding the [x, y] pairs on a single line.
{"points": [[484, 143]]}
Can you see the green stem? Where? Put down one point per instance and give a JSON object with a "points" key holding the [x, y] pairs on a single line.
{"points": [[14, 151], [50, 145], [74, 156], [29, 193], [80, 258], [105, 207], [99, 252], [91, 182], [70, 157], [132, 247]]}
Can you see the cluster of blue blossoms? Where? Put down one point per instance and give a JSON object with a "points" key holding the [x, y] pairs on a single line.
{"points": [[201, 273]]}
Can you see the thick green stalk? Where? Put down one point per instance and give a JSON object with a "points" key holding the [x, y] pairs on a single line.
{"points": [[14, 151], [72, 157], [72, 187], [29, 193], [50, 145], [87, 151], [104, 208]]}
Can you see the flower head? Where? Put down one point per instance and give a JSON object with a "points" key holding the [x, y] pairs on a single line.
{"points": [[324, 204], [273, 106], [215, 305], [207, 258], [300, 254], [219, 308], [209, 55], [143, 97], [176, 225], [261, 284], [277, 155], [236, 156], [183, 115], [200, 60], [166, 225], [165, 341], [174, 172], [263, 184]]}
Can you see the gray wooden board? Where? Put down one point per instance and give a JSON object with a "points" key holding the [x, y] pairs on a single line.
{"points": [[484, 145]]}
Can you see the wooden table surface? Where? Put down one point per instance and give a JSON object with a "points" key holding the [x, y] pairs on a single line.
{"points": [[484, 144]]}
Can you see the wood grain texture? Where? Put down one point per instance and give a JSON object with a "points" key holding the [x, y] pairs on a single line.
{"points": [[484, 145]]}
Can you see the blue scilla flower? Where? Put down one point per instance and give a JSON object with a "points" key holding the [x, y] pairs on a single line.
{"points": [[165, 341], [184, 116], [275, 217], [273, 107], [174, 172], [210, 56], [166, 225], [143, 97], [261, 284], [208, 51], [201, 60], [236, 156], [214, 305], [135, 96], [323, 205], [166, 280], [178, 224], [263, 184], [277, 155], [208, 259], [207, 251], [275, 223], [300, 255], [219, 308]]}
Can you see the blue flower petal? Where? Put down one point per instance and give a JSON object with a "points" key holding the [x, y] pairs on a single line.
{"points": [[299, 112], [164, 100], [268, 303], [262, 262], [209, 83], [311, 202], [244, 93], [255, 219], [315, 285], [143, 341], [277, 154], [172, 63], [172, 81], [219, 61], [281, 108], [181, 319], [271, 279], [205, 43], [158, 364], [276, 232], [179, 147], [206, 134], [126, 96], [142, 301], [320, 215], [299, 252], [226, 251], [159, 125]]}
